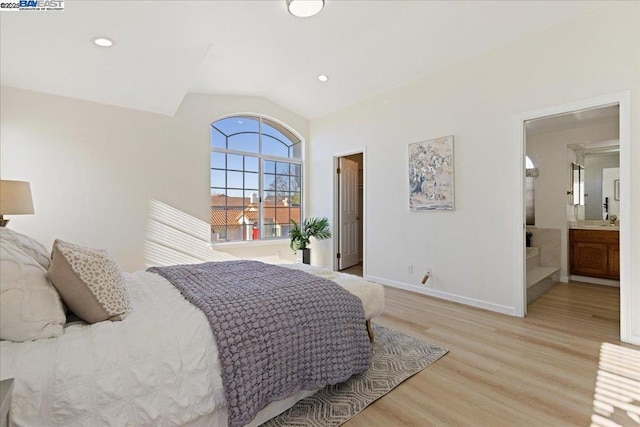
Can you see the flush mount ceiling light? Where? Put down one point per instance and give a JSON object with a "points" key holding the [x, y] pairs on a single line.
{"points": [[323, 78], [102, 41], [304, 8]]}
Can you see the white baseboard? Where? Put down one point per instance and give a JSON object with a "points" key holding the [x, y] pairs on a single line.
{"points": [[444, 295], [596, 280], [634, 339], [564, 279]]}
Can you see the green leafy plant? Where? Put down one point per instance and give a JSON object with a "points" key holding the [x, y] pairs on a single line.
{"points": [[300, 234]]}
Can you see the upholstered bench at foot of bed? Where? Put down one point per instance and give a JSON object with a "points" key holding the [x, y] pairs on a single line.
{"points": [[371, 294]]}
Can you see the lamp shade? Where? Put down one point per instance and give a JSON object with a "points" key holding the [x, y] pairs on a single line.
{"points": [[15, 198]]}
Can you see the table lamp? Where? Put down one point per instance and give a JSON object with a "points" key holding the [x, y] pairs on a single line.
{"points": [[15, 199]]}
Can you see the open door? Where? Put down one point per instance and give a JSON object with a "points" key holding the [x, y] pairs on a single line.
{"points": [[349, 214]]}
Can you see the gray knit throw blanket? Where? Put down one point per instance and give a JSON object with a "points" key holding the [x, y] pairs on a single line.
{"points": [[278, 330]]}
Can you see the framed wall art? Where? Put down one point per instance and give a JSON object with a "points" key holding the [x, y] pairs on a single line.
{"points": [[431, 175]]}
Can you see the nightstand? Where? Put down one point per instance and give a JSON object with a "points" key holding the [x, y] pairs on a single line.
{"points": [[6, 387]]}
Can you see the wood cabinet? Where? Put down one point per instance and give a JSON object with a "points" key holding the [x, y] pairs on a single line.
{"points": [[614, 260], [595, 253]]}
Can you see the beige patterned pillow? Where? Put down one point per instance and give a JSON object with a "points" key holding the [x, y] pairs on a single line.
{"points": [[89, 281], [27, 245], [30, 308]]}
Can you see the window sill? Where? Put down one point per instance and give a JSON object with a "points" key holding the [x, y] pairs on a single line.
{"points": [[249, 243]]}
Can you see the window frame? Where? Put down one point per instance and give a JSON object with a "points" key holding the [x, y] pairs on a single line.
{"points": [[262, 158]]}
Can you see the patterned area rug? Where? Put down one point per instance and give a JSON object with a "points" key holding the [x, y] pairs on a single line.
{"points": [[395, 358]]}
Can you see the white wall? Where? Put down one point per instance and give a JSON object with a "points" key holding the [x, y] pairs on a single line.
{"points": [[94, 169], [471, 249], [549, 153]]}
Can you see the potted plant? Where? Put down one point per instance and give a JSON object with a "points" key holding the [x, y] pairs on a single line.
{"points": [[528, 237], [301, 234]]}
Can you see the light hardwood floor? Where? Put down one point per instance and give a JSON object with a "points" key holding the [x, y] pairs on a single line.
{"points": [[507, 371]]}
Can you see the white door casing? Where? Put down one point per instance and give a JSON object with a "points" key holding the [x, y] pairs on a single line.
{"points": [[629, 288], [348, 236]]}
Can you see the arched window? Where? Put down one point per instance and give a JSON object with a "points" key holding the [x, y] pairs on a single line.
{"points": [[256, 179], [528, 163]]}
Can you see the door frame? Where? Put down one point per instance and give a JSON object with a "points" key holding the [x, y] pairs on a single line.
{"points": [[627, 288], [336, 206]]}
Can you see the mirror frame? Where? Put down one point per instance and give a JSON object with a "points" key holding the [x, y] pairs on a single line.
{"points": [[577, 184]]}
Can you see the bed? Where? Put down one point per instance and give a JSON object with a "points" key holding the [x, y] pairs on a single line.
{"points": [[159, 366]]}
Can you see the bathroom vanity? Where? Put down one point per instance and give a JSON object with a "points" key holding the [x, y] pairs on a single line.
{"points": [[595, 251]]}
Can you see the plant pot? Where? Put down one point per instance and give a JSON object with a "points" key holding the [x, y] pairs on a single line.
{"points": [[306, 256]]}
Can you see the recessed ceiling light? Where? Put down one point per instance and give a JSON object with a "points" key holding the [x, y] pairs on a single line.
{"points": [[304, 8], [323, 78], [102, 41]]}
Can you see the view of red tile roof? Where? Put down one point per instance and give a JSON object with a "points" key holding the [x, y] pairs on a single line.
{"points": [[231, 217], [222, 217], [280, 215], [222, 200]]}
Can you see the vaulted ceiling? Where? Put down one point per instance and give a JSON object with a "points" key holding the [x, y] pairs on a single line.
{"points": [[165, 49]]}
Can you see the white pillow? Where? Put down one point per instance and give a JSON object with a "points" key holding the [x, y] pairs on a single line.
{"points": [[30, 307], [27, 245]]}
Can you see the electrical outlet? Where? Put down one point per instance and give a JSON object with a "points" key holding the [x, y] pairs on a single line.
{"points": [[410, 269]]}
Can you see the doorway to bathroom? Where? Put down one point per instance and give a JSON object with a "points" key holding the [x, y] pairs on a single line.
{"points": [[572, 162], [553, 197]]}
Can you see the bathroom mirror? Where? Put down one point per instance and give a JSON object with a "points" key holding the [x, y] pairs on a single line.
{"points": [[601, 171], [577, 184]]}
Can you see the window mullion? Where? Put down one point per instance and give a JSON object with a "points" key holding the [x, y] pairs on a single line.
{"points": [[280, 159], [260, 201], [238, 152], [260, 182], [226, 189]]}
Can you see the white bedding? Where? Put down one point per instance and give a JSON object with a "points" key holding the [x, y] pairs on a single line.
{"points": [[159, 366]]}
